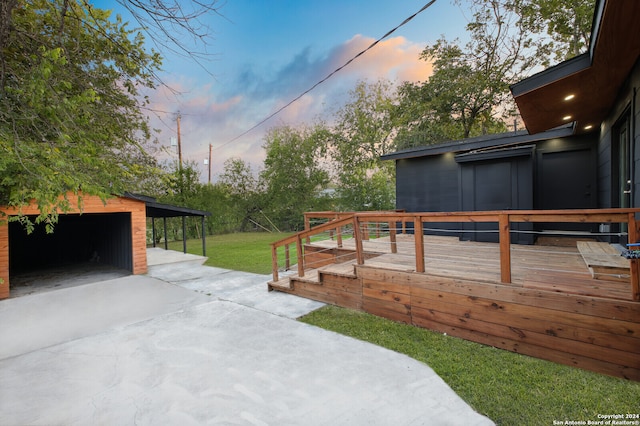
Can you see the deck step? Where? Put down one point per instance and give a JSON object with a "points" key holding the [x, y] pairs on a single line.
{"points": [[603, 259], [282, 283], [310, 276], [346, 269]]}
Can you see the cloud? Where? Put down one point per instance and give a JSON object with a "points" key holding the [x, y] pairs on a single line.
{"points": [[215, 113]]}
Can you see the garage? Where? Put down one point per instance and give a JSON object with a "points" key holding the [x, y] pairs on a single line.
{"points": [[102, 236]]}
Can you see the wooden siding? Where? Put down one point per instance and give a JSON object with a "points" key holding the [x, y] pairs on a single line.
{"points": [[592, 333], [89, 204]]}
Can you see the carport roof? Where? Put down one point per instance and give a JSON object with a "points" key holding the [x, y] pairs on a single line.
{"points": [[156, 209]]}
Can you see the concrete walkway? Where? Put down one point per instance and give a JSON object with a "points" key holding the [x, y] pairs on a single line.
{"points": [[189, 344]]}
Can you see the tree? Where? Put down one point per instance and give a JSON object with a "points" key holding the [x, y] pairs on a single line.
{"points": [[245, 190], [293, 173], [566, 22], [169, 24], [364, 130], [468, 93], [70, 104], [182, 183]]}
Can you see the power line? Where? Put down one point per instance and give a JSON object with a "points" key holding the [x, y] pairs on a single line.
{"points": [[425, 7]]}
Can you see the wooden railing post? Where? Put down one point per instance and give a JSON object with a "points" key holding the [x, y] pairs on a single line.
{"points": [[274, 262], [307, 226], [357, 234], [505, 248], [339, 236], [392, 237], [300, 257], [418, 236], [634, 267], [287, 258]]}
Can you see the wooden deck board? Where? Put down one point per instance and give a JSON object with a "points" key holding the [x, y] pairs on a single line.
{"points": [[603, 260], [552, 268]]}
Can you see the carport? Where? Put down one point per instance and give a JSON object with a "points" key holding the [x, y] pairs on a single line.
{"points": [[156, 210]]}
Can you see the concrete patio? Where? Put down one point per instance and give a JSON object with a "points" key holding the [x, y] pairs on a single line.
{"points": [[191, 344]]}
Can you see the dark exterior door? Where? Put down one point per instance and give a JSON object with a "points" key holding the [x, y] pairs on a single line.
{"points": [[504, 183], [567, 180]]}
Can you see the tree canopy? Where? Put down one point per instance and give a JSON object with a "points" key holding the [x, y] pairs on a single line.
{"points": [[468, 93], [71, 85]]}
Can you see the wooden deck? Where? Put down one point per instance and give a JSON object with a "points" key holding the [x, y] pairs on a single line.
{"points": [[542, 267], [553, 308]]}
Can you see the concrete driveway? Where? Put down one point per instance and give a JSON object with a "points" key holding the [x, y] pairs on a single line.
{"points": [[189, 344]]}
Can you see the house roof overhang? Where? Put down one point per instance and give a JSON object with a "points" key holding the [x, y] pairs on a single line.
{"points": [[593, 79]]}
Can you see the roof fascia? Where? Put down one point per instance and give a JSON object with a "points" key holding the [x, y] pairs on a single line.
{"points": [[482, 142], [550, 75]]}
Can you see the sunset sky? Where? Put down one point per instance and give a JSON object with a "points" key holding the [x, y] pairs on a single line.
{"points": [[266, 53]]}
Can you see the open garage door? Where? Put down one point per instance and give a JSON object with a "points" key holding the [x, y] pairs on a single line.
{"points": [[79, 239]]}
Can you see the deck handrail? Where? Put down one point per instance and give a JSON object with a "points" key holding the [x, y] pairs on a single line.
{"points": [[346, 219], [503, 218]]}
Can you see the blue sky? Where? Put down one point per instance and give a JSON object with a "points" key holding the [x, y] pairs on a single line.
{"points": [[265, 53]]}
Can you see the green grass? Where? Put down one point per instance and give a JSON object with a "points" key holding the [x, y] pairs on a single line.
{"points": [[509, 388], [247, 251]]}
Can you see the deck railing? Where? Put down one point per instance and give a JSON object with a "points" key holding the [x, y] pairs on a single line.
{"points": [[358, 226]]}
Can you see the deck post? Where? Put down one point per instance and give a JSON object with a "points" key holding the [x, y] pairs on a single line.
{"points": [[339, 236], [300, 256], [634, 268], [392, 237], [505, 248], [287, 258], [357, 234], [274, 261], [307, 226], [418, 236]]}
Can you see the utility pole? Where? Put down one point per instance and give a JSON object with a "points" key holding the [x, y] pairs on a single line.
{"points": [[210, 163], [179, 144]]}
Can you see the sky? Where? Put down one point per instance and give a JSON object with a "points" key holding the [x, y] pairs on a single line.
{"points": [[263, 54]]}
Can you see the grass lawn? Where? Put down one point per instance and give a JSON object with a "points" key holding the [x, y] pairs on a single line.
{"points": [[247, 251], [509, 388]]}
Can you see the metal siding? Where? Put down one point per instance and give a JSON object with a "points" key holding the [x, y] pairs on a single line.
{"points": [[427, 184]]}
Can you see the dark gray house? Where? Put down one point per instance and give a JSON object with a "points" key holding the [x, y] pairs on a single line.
{"points": [[579, 150]]}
